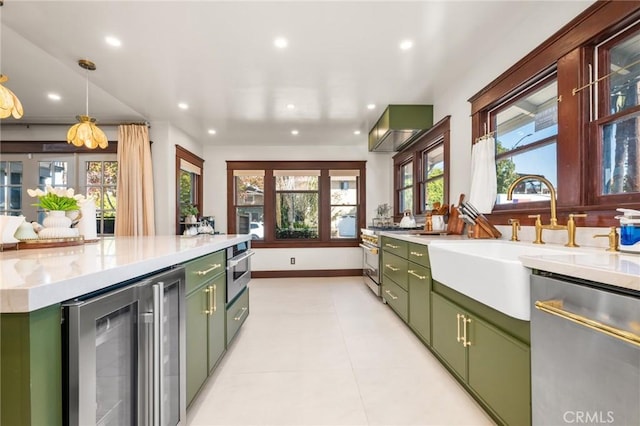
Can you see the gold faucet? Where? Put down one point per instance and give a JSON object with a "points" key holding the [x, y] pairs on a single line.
{"points": [[553, 221], [515, 226]]}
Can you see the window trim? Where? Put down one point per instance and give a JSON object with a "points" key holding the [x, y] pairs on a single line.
{"points": [[324, 218], [430, 139], [184, 154], [571, 50]]}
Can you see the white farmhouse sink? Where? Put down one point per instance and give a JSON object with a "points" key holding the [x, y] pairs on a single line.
{"points": [[487, 271]]}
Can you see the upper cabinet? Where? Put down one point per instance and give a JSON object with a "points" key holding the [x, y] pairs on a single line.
{"points": [[398, 126]]}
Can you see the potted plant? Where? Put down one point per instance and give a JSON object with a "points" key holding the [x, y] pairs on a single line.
{"points": [[189, 212]]}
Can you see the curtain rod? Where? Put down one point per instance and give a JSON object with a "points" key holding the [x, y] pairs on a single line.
{"points": [[108, 124]]}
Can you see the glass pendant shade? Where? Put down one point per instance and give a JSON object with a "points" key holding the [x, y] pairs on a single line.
{"points": [[9, 103], [86, 133]]}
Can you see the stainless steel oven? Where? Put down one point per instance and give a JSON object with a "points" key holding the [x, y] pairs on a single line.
{"points": [[124, 354], [238, 268], [370, 260]]}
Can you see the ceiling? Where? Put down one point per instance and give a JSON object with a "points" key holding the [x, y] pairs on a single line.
{"points": [[219, 58]]}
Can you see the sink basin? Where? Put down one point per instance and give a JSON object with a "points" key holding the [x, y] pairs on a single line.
{"points": [[487, 271]]}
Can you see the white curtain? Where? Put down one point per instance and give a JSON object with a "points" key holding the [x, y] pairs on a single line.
{"points": [[484, 185], [134, 211]]}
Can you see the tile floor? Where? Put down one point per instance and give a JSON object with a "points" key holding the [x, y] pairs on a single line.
{"points": [[326, 351]]}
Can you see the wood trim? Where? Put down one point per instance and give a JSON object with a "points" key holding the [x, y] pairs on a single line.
{"points": [[308, 273], [591, 26], [52, 147], [184, 154]]}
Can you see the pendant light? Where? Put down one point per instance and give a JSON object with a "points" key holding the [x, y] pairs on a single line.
{"points": [[9, 102], [86, 132]]}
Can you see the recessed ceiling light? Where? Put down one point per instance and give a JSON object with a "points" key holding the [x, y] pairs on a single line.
{"points": [[294, 132], [356, 132], [112, 41], [406, 44], [281, 42], [291, 106], [371, 106], [183, 105], [54, 96], [212, 131]]}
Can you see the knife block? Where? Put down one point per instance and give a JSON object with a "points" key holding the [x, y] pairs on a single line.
{"points": [[483, 230]]}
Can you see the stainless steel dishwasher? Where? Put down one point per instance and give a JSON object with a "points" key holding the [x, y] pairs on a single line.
{"points": [[585, 353]]}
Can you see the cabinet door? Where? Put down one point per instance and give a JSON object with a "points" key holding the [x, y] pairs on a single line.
{"points": [[196, 305], [217, 329], [447, 327], [397, 298], [420, 300], [499, 371], [395, 267], [237, 314]]}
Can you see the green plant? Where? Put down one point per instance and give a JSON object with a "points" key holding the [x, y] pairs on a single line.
{"points": [[56, 198], [188, 210]]}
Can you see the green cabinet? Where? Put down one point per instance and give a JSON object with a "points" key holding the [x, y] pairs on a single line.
{"points": [[420, 300], [493, 364], [205, 318], [397, 125], [237, 313]]}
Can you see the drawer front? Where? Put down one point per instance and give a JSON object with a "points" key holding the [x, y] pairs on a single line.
{"points": [[397, 298], [395, 267], [419, 254], [397, 247], [203, 269], [237, 314]]}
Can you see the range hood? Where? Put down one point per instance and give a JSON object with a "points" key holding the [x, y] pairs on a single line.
{"points": [[398, 127]]}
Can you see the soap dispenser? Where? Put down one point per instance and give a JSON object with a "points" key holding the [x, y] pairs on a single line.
{"points": [[629, 230]]}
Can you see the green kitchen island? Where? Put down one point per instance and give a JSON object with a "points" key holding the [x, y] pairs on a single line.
{"points": [[35, 282]]}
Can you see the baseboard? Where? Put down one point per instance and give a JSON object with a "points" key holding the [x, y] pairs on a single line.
{"points": [[308, 273]]}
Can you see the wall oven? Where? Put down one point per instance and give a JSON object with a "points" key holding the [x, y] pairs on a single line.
{"points": [[124, 354], [238, 268]]}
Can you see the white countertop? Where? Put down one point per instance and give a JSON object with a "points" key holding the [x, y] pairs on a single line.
{"points": [[34, 278], [593, 264]]}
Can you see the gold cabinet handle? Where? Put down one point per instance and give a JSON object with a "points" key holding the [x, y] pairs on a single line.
{"points": [[416, 254], [391, 267], [206, 271], [412, 272], [242, 312], [458, 326], [393, 296], [215, 298], [465, 341], [210, 309], [391, 246], [555, 307]]}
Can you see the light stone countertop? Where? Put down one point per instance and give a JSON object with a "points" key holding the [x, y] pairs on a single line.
{"points": [[31, 279], [588, 263]]}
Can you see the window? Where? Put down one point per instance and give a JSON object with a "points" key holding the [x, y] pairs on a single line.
{"points": [[526, 130], [618, 131], [297, 204], [595, 119], [422, 172], [189, 178], [11, 188], [101, 183]]}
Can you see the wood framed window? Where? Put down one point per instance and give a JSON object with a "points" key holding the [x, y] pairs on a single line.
{"points": [[421, 172], [189, 178], [596, 144], [297, 203]]}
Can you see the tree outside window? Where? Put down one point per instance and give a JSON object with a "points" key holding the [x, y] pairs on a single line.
{"points": [[101, 181]]}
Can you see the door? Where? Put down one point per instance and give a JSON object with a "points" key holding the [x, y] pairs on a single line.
{"points": [[196, 307], [447, 329], [420, 300], [217, 328]]}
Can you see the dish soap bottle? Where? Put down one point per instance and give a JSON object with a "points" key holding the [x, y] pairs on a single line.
{"points": [[629, 230]]}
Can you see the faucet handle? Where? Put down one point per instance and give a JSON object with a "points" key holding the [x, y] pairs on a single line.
{"points": [[572, 215], [571, 229], [515, 225], [613, 238]]}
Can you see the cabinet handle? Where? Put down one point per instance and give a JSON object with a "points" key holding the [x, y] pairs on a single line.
{"points": [[393, 296], [465, 321], [215, 298], [242, 312], [211, 307], [391, 246], [206, 271], [412, 272], [458, 327], [556, 307], [392, 268], [416, 254]]}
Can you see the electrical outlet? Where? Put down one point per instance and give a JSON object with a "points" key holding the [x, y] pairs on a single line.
{"points": [[293, 260]]}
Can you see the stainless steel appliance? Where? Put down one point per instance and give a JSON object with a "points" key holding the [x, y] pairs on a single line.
{"points": [[124, 354], [585, 353], [371, 259], [238, 268]]}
